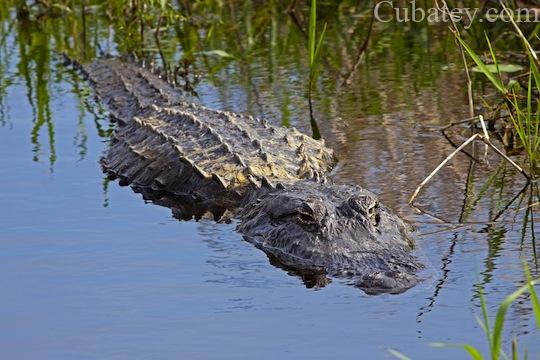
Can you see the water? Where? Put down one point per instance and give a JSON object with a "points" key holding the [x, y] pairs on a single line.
{"points": [[88, 270]]}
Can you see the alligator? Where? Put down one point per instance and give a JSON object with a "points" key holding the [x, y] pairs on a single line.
{"points": [[273, 180]]}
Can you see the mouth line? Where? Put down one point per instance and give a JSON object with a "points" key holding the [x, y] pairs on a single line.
{"points": [[295, 261], [260, 241]]}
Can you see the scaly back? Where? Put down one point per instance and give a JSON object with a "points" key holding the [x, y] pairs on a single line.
{"points": [[165, 143]]}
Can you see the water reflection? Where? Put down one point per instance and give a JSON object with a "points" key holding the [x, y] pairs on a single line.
{"points": [[382, 86]]}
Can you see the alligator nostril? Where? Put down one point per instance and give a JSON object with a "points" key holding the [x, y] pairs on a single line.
{"points": [[307, 208], [363, 204], [377, 218]]}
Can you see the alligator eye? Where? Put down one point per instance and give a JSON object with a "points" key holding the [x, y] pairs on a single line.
{"points": [[299, 217], [306, 213], [306, 218], [306, 221]]}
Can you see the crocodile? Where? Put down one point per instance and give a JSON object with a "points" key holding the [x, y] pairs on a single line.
{"points": [[273, 180]]}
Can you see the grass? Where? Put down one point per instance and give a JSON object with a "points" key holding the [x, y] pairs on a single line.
{"points": [[523, 105], [314, 44], [314, 52], [494, 334]]}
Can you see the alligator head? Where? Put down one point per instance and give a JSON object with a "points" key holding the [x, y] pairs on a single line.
{"points": [[341, 230]]}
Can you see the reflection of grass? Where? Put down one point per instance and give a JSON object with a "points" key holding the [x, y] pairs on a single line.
{"points": [[175, 36], [34, 64]]}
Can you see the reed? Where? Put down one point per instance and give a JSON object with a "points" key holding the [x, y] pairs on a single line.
{"points": [[314, 51], [523, 105]]}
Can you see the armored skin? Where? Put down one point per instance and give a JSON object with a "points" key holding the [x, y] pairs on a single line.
{"points": [[196, 160]]}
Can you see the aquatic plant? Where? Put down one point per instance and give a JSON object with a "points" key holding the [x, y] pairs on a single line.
{"points": [[314, 50], [494, 334], [523, 105], [523, 110], [520, 102]]}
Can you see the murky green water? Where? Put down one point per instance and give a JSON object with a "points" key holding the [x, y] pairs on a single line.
{"points": [[88, 270]]}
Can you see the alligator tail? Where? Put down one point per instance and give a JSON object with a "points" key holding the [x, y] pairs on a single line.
{"points": [[125, 89]]}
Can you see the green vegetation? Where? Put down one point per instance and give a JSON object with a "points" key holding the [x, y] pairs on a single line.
{"points": [[495, 334], [522, 103], [314, 48]]}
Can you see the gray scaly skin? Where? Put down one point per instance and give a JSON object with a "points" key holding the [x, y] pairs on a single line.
{"points": [[194, 160]]}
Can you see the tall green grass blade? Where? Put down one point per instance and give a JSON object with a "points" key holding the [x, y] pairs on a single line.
{"points": [[534, 71], [496, 346], [319, 43], [528, 120], [534, 296], [534, 33], [536, 139], [536, 128], [312, 31], [473, 352], [517, 120], [515, 353], [499, 68], [315, 65], [493, 57], [485, 316], [533, 127], [482, 325], [485, 70]]}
